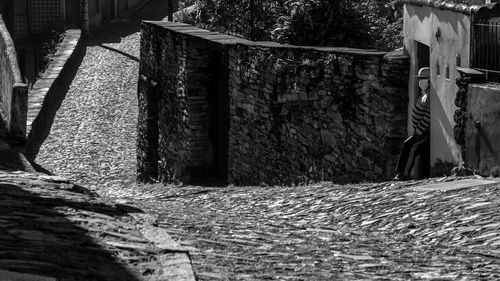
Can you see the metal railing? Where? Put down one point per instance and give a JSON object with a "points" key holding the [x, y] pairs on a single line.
{"points": [[486, 49]]}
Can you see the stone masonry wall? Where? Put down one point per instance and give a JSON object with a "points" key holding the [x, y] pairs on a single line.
{"points": [[301, 114], [13, 92], [481, 130], [175, 72], [295, 113]]}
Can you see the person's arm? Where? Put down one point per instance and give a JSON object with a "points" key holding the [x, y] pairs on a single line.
{"points": [[421, 116]]}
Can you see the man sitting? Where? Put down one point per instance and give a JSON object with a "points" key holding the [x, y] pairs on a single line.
{"points": [[418, 143]]}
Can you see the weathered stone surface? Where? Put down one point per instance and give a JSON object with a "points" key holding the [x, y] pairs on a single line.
{"points": [[295, 113], [433, 229], [312, 107], [479, 128], [13, 160], [13, 92], [52, 230]]}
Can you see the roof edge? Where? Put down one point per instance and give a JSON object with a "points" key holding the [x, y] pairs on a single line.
{"points": [[445, 5]]}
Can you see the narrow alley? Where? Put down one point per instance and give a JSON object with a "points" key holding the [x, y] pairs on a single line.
{"points": [[90, 220], [92, 140]]}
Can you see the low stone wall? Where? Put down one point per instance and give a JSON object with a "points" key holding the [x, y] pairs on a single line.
{"points": [[212, 105], [482, 132], [45, 93], [13, 91], [311, 114]]}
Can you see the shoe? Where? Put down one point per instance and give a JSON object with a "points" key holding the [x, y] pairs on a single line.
{"points": [[398, 177]]}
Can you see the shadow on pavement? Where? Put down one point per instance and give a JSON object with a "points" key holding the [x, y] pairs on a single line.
{"points": [[38, 239], [40, 129], [113, 32], [120, 52], [12, 160]]}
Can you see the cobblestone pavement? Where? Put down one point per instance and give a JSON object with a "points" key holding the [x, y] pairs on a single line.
{"points": [[51, 229], [92, 140], [388, 231], [93, 137], [319, 232]]}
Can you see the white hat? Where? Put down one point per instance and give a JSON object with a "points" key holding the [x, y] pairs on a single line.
{"points": [[424, 73]]}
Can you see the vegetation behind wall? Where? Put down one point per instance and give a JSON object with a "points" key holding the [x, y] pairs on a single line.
{"points": [[359, 24]]}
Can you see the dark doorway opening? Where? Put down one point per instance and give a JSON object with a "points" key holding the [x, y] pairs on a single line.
{"points": [[218, 129], [422, 162], [113, 9], [215, 170], [72, 11], [423, 55]]}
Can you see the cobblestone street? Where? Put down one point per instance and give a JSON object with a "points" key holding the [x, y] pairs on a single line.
{"points": [[52, 229], [388, 231], [92, 140], [384, 231]]}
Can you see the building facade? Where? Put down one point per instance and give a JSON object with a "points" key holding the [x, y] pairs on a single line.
{"points": [[446, 37], [438, 37]]}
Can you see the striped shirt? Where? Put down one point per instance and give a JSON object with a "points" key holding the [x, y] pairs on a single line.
{"points": [[421, 114]]}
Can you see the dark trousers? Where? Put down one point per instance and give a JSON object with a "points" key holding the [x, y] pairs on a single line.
{"points": [[412, 147]]}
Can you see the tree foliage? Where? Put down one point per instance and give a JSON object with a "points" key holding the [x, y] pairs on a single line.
{"points": [[235, 17], [363, 24]]}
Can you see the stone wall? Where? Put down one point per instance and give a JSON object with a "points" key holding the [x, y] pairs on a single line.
{"points": [[13, 92], [482, 132], [173, 131], [293, 114], [302, 114]]}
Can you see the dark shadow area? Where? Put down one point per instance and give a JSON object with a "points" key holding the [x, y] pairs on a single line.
{"points": [[218, 130], [486, 141], [112, 32], [480, 139], [214, 172], [40, 169], [128, 23], [40, 129], [3, 129], [12, 159], [120, 52], [36, 238]]}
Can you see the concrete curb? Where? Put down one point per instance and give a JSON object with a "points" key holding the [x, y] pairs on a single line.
{"points": [[175, 259], [44, 84]]}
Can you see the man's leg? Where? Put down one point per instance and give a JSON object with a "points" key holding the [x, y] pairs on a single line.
{"points": [[418, 148], [403, 156]]}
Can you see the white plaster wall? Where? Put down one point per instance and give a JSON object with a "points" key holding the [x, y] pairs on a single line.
{"points": [[421, 24]]}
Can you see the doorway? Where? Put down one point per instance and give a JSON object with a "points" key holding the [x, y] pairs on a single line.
{"points": [[422, 166], [214, 147], [72, 12], [218, 129], [113, 9], [423, 55]]}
